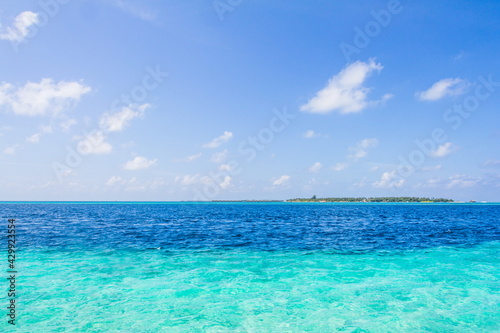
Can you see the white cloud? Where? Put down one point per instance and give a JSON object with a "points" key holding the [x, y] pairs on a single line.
{"points": [[220, 157], [345, 91], [283, 180], [361, 183], [136, 9], [444, 149], [316, 167], [94, 143], [431, 168], [11, 150], [456, 181], [193, 157], [189, 158], [133, 184], [462, 181], [340, 166], [218, 141], [115, 180], [226, 167], [46, 128], [33, 138], [442, 88], [117, 121], [492, 163], [433, 182], [187, 179], [460, 55], [389, 180], [226, 182], [4, 129], [368, 143], [310, 134], [138, 163], [193, 179], [360, 150], [66, 125], [313, 134], [157, 183], [41, 99], [20, 27]]}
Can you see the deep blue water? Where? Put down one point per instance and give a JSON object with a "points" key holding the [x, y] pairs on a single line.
{"points": [[337, 227]]}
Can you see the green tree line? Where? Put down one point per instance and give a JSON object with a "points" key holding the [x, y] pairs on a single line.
{"points": [[371, 199]]}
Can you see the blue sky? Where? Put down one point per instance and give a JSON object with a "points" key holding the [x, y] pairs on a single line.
{"points": [[212, 100]]}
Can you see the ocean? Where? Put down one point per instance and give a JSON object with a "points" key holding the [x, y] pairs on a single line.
{"points": [[252, 267]]}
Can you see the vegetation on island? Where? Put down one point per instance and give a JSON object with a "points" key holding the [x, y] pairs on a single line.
{"points": [[377, 199]]}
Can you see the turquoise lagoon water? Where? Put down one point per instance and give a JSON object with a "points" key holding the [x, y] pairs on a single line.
{"points": [[256, 268]]}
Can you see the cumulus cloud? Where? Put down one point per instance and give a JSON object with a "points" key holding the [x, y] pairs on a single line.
{"points": [[461, 55], [189, 158], [444, 150], [389, 180], [187, 179], [345, 91], [310, 134], [136, 9], [193, 179], [226, 167], [360, 150], [226, 182], [66, 125], [361, 183], [138, 163], [219, 140], [316, 167], [11, 150], [220, 157], [20, 27], [340, 166], [442, 88], [431, 168], [94, 143], [115, 122], [133, 184], [283, 180], [461, 181], [313, 134], [33, 138], [193, 157], [40, 99], [455, 181], [115, 180], [491, 163], [433, 182]]}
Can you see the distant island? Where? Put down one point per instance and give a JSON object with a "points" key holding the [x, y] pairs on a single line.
{"points": [[349, 199], [247, 200], [378, 199]]}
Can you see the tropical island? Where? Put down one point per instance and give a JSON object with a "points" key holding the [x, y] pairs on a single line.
{"points": [[377, 199]]}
